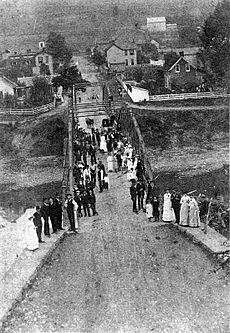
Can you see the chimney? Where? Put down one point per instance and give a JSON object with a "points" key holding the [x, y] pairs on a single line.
{"points": [[181, 53]]}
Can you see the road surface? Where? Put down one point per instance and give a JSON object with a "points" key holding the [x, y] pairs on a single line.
{"points": [[122, 274]]}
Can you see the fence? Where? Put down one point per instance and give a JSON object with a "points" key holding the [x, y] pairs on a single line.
{"points": [[130, 127], [27, 112], [198, 95]]}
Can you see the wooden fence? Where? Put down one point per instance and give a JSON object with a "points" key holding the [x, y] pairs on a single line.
{"points": [[198, 95], [27, 112]]}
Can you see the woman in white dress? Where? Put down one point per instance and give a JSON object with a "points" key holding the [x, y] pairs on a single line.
{"points": [[103, 144], [149, 210], [31, 237], [168, 212], [110, 163], [193, 216], [130, 164], [184, 210]]}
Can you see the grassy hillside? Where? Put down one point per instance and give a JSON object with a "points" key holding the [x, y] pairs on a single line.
{"points": [[24, 23]]}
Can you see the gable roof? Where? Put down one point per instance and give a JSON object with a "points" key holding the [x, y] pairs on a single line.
{"points": [[8, 81], [179, 61], [123, 47]]}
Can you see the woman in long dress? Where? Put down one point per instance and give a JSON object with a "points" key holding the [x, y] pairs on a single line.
{"points": [[168, 212], [184, 210], [103, 144], [149, 210], [31, 237], [194, 216], [110, 163]]}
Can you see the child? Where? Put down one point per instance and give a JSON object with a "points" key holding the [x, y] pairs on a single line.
{"points": [[149, 210], [106, 182]]}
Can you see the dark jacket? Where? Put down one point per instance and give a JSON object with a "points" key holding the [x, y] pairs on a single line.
{"points": [[133, 192], [37, 219]]}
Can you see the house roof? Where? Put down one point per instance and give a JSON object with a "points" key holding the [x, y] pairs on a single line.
{"points": [[122, 46], [8, 81], [178, 62]]}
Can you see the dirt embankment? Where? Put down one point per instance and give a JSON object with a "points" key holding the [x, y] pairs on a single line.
{"points": [[31, 160], [189, 150]]}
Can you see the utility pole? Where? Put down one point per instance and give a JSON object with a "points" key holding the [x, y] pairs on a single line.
{"points": [[70, 145]]}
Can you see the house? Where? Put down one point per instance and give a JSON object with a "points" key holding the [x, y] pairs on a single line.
{"points": [[7, 87], [156, 24], [28, 63], [43, 58], [120, 56], [191, 54], [182, 76]]}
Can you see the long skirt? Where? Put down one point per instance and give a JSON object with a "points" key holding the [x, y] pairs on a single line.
{"points": [[194, 217], [110, 165], [168, 212], [103, 146], [31, 237], [184, 212], [149, 211]]}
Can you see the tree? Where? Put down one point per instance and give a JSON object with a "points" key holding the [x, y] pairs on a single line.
{"points": [[41, 92], [98, 58], [170, 59], [148, 51], [216, 40], [69, 76], [57, 47]]}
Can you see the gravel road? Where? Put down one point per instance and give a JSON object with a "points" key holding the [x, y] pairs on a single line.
{"points": [[117, 277]]}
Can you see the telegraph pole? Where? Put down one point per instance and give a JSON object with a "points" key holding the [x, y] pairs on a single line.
{"points": [[70, 145]]}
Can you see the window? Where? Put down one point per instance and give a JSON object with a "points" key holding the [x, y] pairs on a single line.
{"points": [[126, 52], [41, 45], [40, 60], [14, 63], [28, 62], [126, 62], [132, 61], [177, 69], [187, 67], [131, 52], [47, 59]]}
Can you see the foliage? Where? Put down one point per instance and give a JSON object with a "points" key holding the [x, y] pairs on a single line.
{"points": [[134, 73], [170, 59], [69, 76], [148, 51], [149, 77], [41, 92], [98, 58], [44, 69], [8, 101], [216, 40], [13, 72], [57, 47]]}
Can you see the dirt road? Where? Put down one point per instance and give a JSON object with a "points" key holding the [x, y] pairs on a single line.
{"points": [[117, 277], [122, 274]]}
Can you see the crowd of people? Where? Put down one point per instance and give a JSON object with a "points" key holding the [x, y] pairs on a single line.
{"points": [[184, 209], [89, 172]]}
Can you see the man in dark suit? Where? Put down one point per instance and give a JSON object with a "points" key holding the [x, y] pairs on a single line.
{"points": [[45, 215], [133, 194]]}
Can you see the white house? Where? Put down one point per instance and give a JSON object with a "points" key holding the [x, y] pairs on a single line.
{"points": [[7, 86]]}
